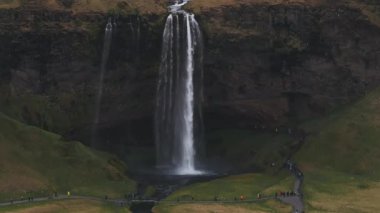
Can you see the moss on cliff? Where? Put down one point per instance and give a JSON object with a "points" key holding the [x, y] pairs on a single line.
{"points": [[250, 150], [50, 112]]}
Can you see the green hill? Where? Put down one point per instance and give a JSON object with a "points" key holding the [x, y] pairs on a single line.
{"points": [[346, 141], [341, 159], [35, 162], [83, 206]]}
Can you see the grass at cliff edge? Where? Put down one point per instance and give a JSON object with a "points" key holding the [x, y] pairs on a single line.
{"points": [[34, 162]]}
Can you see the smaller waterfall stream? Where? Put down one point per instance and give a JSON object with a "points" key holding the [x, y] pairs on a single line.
{"points": [[106, 50]]}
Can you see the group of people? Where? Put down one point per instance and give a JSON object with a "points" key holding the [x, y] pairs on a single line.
{"points": [[284, 194], [259, 196], [293, 168], [216, 198]]}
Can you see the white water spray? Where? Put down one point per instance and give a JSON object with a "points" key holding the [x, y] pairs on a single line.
{"points": [[178, 122]]}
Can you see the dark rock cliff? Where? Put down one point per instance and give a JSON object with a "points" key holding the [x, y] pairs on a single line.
{"points": [[264, 65], [272, 64]]}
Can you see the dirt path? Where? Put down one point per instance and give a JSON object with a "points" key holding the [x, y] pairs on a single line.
{"points": [[297, 200], [62, 197]]}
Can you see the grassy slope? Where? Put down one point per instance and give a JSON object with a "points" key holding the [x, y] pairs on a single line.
{"points": [[33, 161], [230, 187], [82, 206], [347, 141], [330, 191], [341, 159], [268, 206]]}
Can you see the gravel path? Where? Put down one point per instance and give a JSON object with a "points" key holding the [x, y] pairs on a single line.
{"points": [[297, 200]]}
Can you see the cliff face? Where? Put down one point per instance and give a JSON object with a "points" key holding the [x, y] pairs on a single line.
{"points": [[50, 67], [264, 65], [270, 64]]}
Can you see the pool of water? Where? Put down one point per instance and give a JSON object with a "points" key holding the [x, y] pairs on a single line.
{"points": [[142, 207]]}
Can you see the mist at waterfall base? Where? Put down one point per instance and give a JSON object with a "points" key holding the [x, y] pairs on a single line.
{"points": [[105, 55], [178, 116]]}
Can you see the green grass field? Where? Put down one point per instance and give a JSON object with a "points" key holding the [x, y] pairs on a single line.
{"points": [[229, 188], [266, 206], [341, 158], [330, 191], [82, 206], [35, 162], [346, 141]]}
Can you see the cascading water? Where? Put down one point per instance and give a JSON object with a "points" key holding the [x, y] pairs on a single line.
{"points": [[178, 116], [106, 50]]}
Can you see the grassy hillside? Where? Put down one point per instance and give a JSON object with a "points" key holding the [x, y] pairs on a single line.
{"points": [[82, 206], [227, 189], [346, 141], [268, 206], [230, 187], [341, 158], [331, 191], [35, 162]]}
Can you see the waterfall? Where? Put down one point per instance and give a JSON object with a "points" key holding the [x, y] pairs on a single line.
{"points": [[106, 50], [178, 116]]}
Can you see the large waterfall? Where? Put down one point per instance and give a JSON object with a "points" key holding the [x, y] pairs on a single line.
{"points": [[103, 66], [178, 116]]}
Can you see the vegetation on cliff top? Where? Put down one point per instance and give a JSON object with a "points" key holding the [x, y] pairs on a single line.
{"points": [[159, 6]]}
